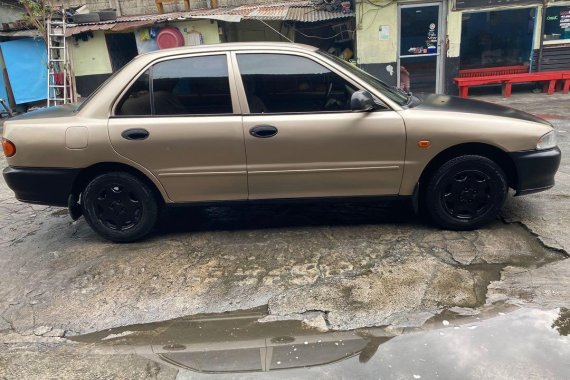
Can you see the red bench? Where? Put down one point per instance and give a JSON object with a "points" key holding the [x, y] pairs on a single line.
{"points": [[487, 71], [566, 82], [506, 80]]}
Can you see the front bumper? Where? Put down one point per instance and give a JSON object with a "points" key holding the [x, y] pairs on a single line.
{"points": [[536, 169], [47, 186]]}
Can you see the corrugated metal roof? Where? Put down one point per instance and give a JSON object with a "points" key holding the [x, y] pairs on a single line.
{"points": [[71, 30], [310, 14], [301, 11], [115, 27], [21, 33], [268, 13]]}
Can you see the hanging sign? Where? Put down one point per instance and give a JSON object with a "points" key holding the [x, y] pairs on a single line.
{"points": [[557, 25], [384, 33]]}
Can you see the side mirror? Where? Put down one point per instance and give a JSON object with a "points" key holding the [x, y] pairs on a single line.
{"points": [[362, 101]]}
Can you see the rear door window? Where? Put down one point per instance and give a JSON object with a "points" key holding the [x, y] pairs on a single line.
{"points": [[136, 102], [183, 86], [192, 86]]}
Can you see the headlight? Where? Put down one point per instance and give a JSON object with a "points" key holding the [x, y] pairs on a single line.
{"points": [[547, 141]]}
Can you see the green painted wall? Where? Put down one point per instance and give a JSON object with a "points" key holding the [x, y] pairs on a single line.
{"points": [[453, 33], [369, 48], [208, 29], [90, 57]]}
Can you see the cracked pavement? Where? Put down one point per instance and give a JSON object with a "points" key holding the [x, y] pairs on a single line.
{"points": [[357, 265]]}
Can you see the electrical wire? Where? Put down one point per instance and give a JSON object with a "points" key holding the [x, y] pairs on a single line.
{"points": [[307, 35], [324, 38], [380, 5], [276, 31], [378, 8]]}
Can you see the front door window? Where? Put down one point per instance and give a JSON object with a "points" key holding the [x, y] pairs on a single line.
{"points": [[280, 83]]}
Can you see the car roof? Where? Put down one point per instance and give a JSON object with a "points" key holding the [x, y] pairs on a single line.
{"points": [[229, 46]]}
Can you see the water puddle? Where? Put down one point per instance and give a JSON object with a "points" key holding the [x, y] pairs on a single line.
{"points": [[500, 342]]}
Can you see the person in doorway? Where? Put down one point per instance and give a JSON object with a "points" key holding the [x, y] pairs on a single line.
{"points": [[404, 79]]}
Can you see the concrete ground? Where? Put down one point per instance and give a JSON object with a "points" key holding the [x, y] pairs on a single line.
{"points": [[340, 267]]}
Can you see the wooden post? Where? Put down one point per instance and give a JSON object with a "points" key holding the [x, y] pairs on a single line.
{"points": [[160, 7], [541, 46], [8, 88]]}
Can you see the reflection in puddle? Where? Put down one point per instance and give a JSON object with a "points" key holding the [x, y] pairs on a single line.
{"points": [[511, 343], [236, 342]]}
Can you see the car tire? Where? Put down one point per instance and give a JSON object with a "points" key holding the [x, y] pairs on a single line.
{"points": [[119, 207], [466, 193], [85, 18], [107, 15]]}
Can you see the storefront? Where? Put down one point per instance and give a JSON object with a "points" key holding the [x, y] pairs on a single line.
{"points": [[422, 46], [403, 43], [517, 33], [555, 51]]}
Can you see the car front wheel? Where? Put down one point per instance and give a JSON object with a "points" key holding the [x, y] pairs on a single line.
{"points": [[466, 193], [119, 207]]}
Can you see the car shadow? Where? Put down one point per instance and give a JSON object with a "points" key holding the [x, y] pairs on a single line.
{"points": [[242, 216]]}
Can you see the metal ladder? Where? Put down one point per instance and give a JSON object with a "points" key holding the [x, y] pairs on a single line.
{"points": [[58, 63]]}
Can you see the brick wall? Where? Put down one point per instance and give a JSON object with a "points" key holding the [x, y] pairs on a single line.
{"points": [[10, 14]]}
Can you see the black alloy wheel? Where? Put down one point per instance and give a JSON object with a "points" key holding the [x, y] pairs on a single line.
{"points": [[119, 206], [466, 193]]}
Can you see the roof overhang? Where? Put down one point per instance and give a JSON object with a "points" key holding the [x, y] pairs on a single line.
{"points": [[297, 11]]}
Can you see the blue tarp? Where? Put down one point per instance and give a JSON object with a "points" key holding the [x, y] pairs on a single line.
{"points": [[26, 63]]}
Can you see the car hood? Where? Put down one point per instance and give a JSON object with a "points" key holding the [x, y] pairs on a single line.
{"points": [[49, 112], [433, 102]]}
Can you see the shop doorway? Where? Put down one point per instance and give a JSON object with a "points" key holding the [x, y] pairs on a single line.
{"points": [[122, 48], [419, 50]]}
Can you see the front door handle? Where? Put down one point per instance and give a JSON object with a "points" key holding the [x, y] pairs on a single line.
{"points": [[135, 134], [263, 131]]}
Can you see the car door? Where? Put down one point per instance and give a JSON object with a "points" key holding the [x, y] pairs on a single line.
{"points": [[302, 139], [180, 119]]}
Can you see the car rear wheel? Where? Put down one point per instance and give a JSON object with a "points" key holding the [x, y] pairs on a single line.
{"points": [[466, 193], [119, 207]]}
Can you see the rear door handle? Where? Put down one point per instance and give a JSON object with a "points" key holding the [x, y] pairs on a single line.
{"points": [[135, 134], [263, 131]]}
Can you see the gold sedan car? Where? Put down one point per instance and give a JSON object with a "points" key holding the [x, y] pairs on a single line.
{"points": [[260, 121]]}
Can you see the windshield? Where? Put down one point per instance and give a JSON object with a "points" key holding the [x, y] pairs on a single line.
{"points": [[390, 92]]}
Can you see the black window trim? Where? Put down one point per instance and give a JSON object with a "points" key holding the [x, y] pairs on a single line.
{"points": [[241, 87], [149, 67]]}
